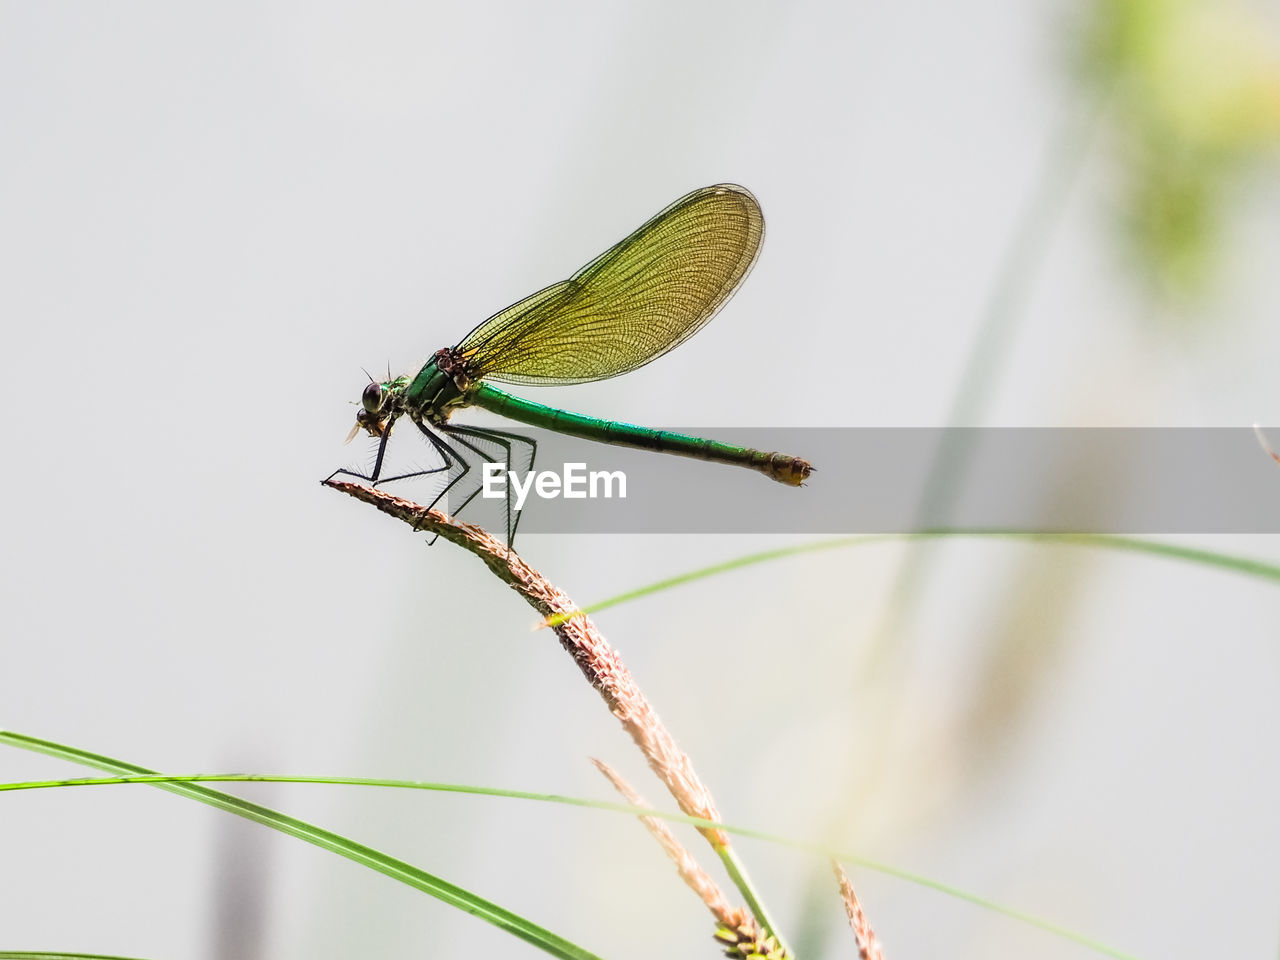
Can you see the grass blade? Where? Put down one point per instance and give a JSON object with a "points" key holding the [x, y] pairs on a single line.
{"points": [[817, 849], [406, 873], [1170, 551]]}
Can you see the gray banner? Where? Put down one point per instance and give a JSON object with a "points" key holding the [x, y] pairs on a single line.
{"points": [[1170, 480]]}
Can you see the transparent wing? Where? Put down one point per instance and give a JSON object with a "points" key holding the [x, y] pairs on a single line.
{"points": [[630, 305]]}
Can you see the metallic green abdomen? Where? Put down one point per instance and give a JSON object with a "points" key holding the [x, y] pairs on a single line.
{"points": [[777, 466]]}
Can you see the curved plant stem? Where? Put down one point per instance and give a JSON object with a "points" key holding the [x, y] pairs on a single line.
{"points": [[598, 661]]}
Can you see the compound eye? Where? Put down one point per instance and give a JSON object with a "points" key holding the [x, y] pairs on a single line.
{"points": [[371, 399]]}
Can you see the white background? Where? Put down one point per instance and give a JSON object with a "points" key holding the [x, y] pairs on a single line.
{"points": [[213, 216]]}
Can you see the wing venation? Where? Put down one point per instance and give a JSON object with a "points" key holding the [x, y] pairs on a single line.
{"points": [[640, 298]]}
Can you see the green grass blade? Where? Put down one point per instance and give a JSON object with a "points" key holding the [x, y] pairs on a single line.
{"points": [[817, 849], [1210, 558], [44, 955], [406, 873]]}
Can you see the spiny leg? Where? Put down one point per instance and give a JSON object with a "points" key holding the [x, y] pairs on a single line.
{"points": [[452, 459], [505, 441], [450, 452], [458, 434], [375, 477]]}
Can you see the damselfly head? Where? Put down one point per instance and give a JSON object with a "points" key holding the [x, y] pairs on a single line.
{"points": [[371, 419]]}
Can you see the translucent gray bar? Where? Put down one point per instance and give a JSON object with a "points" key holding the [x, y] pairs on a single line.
{"points": [[872, 480]]}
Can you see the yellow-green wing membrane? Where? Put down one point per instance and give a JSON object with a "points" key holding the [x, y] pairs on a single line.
{"points": [[630, 305]]}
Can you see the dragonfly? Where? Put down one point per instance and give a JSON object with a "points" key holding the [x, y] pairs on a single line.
{"points": [[641, 298]]}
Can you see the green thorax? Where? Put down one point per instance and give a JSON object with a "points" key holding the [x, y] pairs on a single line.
{"points": [[439, 388]]}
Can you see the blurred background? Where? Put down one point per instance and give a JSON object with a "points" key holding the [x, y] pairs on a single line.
{"points": [[993, 213]]}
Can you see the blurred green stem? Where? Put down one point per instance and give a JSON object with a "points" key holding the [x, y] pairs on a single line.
{"points": [[1063, 160]]}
